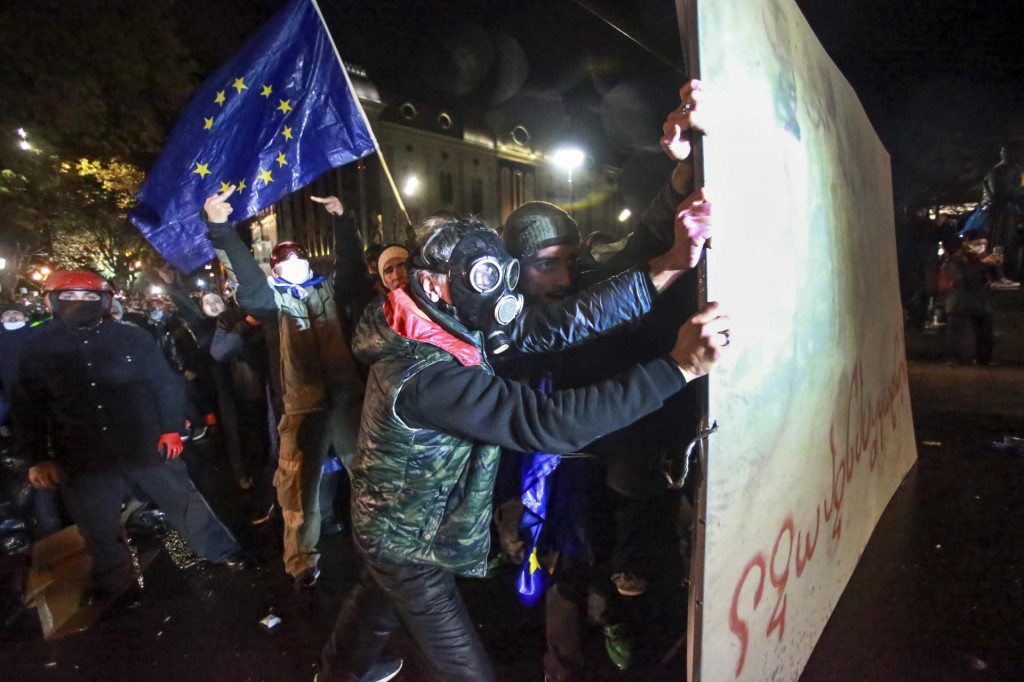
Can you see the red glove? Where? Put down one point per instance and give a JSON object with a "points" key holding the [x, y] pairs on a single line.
{"points": [[171, 445]]}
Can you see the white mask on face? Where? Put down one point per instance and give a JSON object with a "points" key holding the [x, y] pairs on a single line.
{"points": [[14, 326], [294, 270], [977, 248]]}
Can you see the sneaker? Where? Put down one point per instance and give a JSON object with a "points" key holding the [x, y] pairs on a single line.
{"points": [[383, 670], [619, 645], [307, 579], [1005, 284], [629, 585]]}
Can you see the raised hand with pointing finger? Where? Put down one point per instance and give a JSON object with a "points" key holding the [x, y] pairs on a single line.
{"points": [[333, 205], [217, 207]]}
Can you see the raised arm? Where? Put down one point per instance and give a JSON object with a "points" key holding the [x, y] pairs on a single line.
{"points": [[254, 294]]}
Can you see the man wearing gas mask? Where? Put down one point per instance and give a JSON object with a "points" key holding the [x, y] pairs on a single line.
{"points": [[101, 396], [321, 387], [434, 419]]}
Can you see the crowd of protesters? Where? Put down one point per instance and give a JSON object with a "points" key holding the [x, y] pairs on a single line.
{"points": [[950, 265], [533, 374]]}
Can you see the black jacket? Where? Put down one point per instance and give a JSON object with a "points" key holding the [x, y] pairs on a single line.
{"points": [[100, 395]]}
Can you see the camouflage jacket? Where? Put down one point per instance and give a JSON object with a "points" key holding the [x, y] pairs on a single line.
{"points": [[418, 495]]}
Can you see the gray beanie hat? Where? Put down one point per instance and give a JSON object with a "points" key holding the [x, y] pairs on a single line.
{"points": [[537, 225]]}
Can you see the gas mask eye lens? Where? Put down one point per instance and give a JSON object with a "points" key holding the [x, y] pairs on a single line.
{"points": [[512, 274], [485, 275]]}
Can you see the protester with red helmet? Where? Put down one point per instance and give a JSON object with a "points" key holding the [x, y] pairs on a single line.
{"points": [[97, 412]]}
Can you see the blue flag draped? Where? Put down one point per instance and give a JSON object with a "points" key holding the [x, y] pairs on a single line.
{"points": [[270, 121], [536, 486]]}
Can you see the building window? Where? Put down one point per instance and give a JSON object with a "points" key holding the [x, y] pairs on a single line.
{"points": [[517, 189], [476, 196], [447, 188]]}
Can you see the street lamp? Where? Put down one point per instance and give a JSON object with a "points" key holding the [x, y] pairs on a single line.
{"points": [[569, 158], [412, 186], [624, 216]]}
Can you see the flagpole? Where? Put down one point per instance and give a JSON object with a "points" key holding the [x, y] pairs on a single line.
{"points": [[359, 106]]}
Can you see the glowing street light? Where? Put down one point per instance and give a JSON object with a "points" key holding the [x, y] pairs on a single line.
{"points": [[412, 186], [624, 216], [200, 283], [22, 134], [569, 158], [25, 145], [45, 270], [37, 276], [155, 290]]}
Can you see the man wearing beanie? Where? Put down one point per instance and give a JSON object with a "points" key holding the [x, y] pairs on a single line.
{"points": [[632, 505]]}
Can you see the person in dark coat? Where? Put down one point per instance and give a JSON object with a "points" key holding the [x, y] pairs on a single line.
{"points": [[972, 270], [97, 411]]}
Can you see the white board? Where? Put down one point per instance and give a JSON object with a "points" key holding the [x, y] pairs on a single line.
{"points": [[815, 430]]}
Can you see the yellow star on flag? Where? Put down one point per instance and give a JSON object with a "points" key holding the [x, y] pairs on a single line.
{"points": [[202, 169], [281, 159], [287, 133], [264, 175], [225, 186], [534, 563], [285, 106], [220, 98], [208, 123], [267, 90], [241, 185], [240, 85]]}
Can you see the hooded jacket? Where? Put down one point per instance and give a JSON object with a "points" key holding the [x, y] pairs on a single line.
{"points": [[434, 419]]}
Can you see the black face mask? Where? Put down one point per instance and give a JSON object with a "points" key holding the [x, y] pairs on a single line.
{"points": [[482, 277], [78, 314]]}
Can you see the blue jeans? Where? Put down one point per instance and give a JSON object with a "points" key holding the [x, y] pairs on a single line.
{"points": [[426, 602]]}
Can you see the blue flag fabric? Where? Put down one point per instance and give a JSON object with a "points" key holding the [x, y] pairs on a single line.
{"points": [[536, 486], [270, 121]]}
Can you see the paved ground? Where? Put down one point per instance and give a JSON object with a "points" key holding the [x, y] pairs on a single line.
{"points": [[937, 595]]}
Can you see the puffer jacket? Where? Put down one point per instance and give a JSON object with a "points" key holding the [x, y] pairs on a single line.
{"points": [[434, 419]]}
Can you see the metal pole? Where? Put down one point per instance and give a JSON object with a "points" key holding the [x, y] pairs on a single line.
{"points": [[359, 106]]}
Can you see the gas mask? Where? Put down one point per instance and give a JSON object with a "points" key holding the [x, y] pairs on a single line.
{"points": [[294, 270], [156, 314], [482, 278]]}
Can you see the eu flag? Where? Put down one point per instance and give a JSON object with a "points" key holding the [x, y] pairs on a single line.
{"points": [[270, 121]]}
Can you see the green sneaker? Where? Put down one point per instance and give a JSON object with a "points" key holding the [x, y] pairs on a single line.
{"points": [[619, 645]]}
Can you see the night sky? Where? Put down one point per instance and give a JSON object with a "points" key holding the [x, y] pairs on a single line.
{"points": [[940, 79]]}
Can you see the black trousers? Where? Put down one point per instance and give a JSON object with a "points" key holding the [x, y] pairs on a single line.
{"points": [[423, 599], [94, 500], [984, 336]]}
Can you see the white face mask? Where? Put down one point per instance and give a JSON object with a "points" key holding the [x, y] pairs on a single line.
{"points": [[294, 270], [156, 314], [14, 326], [977, 248]]}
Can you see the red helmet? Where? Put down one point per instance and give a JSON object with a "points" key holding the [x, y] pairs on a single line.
{"points": [[284, 250], [81, 280], [77, 279]]}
